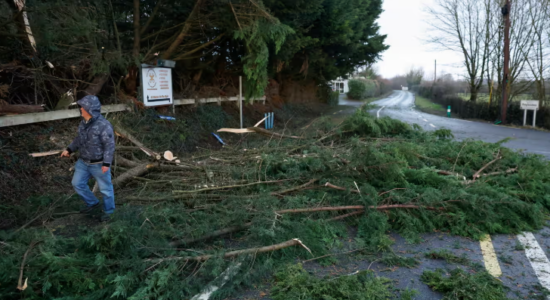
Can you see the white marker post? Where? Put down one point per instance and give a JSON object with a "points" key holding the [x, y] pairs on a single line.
{"points": [[241, 98], [529, 105]]}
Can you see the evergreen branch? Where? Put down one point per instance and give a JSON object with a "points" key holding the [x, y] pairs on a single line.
{"points": [[289, 243], [230, 186], [357, 207]]}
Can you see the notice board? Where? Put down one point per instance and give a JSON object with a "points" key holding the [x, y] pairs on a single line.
{"points": [[156, 86]]}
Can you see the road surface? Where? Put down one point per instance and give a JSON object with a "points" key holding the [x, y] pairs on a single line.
{"points": [[400, 105]]}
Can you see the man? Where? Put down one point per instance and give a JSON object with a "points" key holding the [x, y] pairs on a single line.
{"points": [[96, 144]]}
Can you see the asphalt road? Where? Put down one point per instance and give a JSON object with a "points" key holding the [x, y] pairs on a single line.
{"points": [[400, 105]]}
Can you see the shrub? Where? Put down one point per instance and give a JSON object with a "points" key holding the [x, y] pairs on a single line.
{"points": [[333, 98], [357, 89]]}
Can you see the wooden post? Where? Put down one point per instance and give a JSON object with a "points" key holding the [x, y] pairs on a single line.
{"points": [[506, 13]]}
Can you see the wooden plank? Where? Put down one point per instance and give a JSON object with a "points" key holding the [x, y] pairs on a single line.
{"points": [[14, 120], [235, 130], [41, 154], [257, 124]]}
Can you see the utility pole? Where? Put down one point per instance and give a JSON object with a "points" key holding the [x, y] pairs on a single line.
{"points": [[506, 15], [435, 72]]}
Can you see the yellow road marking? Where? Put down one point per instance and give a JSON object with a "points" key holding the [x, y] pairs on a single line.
{"points": [[489, 256]]}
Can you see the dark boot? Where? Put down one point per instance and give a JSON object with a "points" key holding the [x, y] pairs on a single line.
{"points": [[89, 209]]}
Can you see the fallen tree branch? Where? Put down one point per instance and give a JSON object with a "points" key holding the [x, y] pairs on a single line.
{"points": [[127, 148], [501, 172], [211, 235], [330, 185], [355, 213], [228, 187], [294, 188], [355, 207], [477, 174], [289, 243], [19, 109], [123, 133], [396, 189], [258, 130], [133, 172], [20, 285], [447, 173]]}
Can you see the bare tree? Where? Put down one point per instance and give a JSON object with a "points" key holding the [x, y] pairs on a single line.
{"points": [[537, 58], [464, 26]]}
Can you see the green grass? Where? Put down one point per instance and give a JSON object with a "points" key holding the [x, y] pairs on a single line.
{"points": [[425, 104]]}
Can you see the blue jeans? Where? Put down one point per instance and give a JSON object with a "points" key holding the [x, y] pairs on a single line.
{"points": [[82, 173]]}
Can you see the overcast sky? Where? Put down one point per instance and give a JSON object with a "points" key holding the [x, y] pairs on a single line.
{"points": [[405, 23]]}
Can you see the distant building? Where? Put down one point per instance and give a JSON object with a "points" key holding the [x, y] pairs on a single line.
{"points": [[340, 85]]}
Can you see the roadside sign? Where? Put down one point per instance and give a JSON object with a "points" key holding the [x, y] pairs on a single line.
{"points": [[530, 104], [156, 86]]}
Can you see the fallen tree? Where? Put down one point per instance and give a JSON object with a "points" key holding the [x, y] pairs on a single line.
{"points": [[185, 222]]}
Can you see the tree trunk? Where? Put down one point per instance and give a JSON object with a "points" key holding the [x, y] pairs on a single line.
{"points": [[473, 93], [137, 35], [97, 84], [23, 24], [20, 109], [181, 36]]}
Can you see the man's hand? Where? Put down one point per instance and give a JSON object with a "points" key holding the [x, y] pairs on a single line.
{"points": [[65, 154], [104, 169]]}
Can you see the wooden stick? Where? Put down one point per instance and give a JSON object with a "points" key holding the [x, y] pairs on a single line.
{"points": [[123, 133], [289, 243], [476, 175], [501, 172], [355, 213], [231, 130], [330, 185], [229, 186], [20, 285], [294, 188], [47, 153], [257, 124], [133, 172]]}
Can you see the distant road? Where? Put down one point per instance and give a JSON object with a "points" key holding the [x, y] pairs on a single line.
{"points": [[400, 105]]}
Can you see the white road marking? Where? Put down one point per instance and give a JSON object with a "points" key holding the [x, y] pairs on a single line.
{"points": [[378, 112], [218, 282], [536, 257], [424, 120], [432, 125]]}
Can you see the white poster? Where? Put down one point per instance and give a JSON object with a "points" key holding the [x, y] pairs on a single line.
{"points": [[156, 86]]}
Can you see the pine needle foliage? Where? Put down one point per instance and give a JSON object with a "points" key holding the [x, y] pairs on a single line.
{"points": [[461, 285], [377, 162], [296, 283]]}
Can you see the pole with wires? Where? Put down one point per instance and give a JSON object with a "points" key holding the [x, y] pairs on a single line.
{"points": [[505, 79]]}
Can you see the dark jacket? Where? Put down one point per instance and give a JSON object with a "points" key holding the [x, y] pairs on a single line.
{"points": [[95, 140]]}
